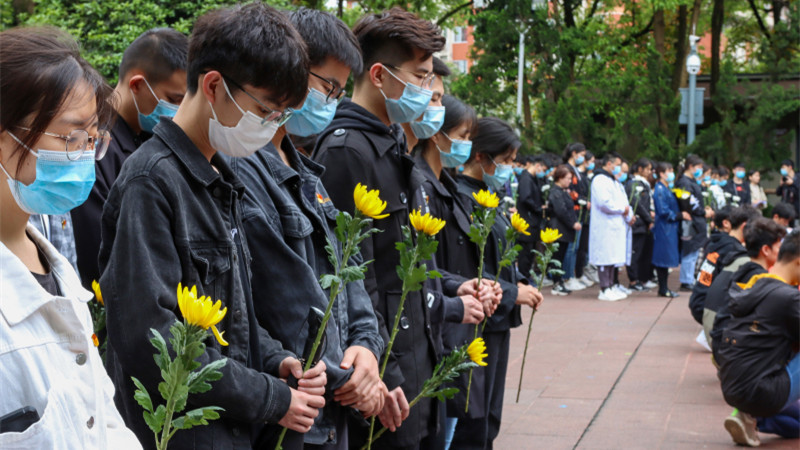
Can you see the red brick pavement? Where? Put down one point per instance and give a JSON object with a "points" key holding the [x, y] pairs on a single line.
{"points": [[615, 375]]}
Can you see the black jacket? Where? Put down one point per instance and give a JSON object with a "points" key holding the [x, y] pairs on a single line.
{"points": [[562, 213], [358, 148], [287, 217], [694, 233], [760, 339], [719, 296], [170, 218], [529, 201], [642, 211], [86, 217], [790, 193], [717, 248], [742, 190]]}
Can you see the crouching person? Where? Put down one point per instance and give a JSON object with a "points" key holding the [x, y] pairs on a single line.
{"points": [[759, 363]]}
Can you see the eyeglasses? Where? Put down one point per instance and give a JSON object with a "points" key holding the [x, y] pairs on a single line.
{"points": [[272, 116], [78, 141], [427, 79], [334, 92]]}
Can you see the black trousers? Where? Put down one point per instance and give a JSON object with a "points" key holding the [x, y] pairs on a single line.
{"points": [[641, 269], [480, 433], [559, 256], [526, 257], [582, 257]]}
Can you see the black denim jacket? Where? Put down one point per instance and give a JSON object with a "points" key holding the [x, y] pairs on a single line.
{"points": [[170, 217], [287, 215]]}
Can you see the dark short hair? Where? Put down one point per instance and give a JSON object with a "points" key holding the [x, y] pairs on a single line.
{"points": [[541, 159], [760, 232], [457, 112], [784, 211], [589, 155], [610, 156], [251, 44], [392, 36], [662, 167], [788, 162], [723, 171], [561, 171], [721, 215], [494, 137], [575, 147], [440, 68], [41, 67], [640, 164], [158, 52], [327, 36], [738, 165], [743, 214], [790, 248]]}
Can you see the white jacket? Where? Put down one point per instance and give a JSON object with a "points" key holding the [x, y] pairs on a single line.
{"points": [[609, 233], [48, 361]]}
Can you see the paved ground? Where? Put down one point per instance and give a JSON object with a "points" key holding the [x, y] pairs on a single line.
{"points": [[615, 375]]}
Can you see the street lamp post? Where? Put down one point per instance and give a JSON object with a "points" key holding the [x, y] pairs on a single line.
{"points": [[693, 67], [535, 5]]}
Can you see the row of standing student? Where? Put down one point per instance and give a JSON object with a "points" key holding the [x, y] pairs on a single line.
{"points": [[220, 198]]}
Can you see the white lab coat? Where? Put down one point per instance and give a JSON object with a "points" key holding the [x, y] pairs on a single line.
{"points": [[610, 235], [48, 361]]}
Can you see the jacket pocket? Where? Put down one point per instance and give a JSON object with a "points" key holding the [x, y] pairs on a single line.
{"points": [[58, 426], [210, 263], [294, 223]]}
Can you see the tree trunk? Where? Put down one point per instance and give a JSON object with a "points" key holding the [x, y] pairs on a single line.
{"points": [[526, 102], [717, 18], [681, 49], [659, 32]]}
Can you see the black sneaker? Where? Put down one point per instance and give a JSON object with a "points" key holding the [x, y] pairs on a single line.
{"points": [[637, 287], [669, 294], [687, 287]]}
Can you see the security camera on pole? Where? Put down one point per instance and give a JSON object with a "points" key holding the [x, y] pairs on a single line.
{"points": [[693, 67]]}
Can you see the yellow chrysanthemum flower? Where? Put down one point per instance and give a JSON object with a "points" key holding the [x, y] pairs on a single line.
{"points": [[97, 294], [201, 312], [476, 352], [520, 224], [369, 202], [549, 235], [486, 199], [680, 193], [426, 223]]}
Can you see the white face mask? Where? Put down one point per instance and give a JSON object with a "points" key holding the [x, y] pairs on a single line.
{"points": [[245, 138]]}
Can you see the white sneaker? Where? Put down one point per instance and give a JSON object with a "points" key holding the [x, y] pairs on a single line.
{"points": [[609, 295], [547, 282], [701, 339], [574, 285], [591, 273], [743, 429], [560, 289], [650, 285], [619, 292], [586, 281], [623, 289]]}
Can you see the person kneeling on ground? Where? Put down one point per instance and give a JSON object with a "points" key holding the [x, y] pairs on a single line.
{"points": [[759, 363]]}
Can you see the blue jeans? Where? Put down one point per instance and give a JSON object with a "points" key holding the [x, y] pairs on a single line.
{"points": [[571, 257], [449, 431], [687, 267]]}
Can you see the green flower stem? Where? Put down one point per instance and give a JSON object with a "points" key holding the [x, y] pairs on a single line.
{"points": [[335, 290], [384, 429], [395, 327], [482, 251], [167, 432], [546, 261]]}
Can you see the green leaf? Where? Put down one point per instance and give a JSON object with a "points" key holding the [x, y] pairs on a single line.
{"points": [[198, 381], [196, 417], [445, 394], [155, 420], [162, 355], [352, 273], [141, 395], [328, 280]]}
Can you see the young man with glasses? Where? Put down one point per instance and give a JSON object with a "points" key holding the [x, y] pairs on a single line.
{"points": [[174, 216], [288, 218], [366, 144]]}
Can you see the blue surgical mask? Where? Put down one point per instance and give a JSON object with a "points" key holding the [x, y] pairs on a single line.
{"points": [[723, 183], [698, 173], [518, 171], [579, 160], [671, 177], [61, 183], [459, 152], [541, 174], [655, 176], [623, 178], [316, 113], [431, 122], [590, 167], [410, 105], [715, 182], [784, 172], [671, 185], [616, 170], [163, 108], [740, 174], [707, 178], [502, 174]]}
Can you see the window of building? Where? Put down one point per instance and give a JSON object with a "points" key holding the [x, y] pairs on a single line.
{"points": [[461, 65], [460, 34]]}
